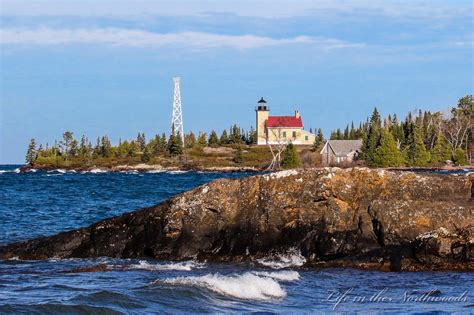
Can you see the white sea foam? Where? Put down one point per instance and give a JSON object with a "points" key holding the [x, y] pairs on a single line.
{"points": [[97, 171], [4, 171], [177, 172], [156, 171], [60, 174], [244, 286], [290, 258], [182, 266], [16, 170], [286, 275]]}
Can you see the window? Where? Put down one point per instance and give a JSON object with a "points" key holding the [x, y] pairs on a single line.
{"points": [[294, 134], [284, 134], [306, 138]]}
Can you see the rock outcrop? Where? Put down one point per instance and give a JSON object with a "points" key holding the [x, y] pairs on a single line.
{"points": [[362, 218]]}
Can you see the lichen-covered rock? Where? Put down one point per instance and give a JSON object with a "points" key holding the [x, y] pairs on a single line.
{"points": [[377, 219]]}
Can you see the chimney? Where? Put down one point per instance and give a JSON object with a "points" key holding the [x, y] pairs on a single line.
{"points": [[297, 114]]}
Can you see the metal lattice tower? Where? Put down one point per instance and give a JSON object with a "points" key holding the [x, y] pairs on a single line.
{"points": [[177, 118]]}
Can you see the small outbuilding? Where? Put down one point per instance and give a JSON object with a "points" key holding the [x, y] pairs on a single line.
{"points": [[340, 151]]}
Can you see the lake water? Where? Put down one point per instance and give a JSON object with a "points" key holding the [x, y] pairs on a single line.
{"points": [[44, 203]]}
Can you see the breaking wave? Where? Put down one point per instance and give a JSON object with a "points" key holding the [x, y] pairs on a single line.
{"points": [[177, 172], [95, 171], [249, 285], [182, 266], [279, 275], [291, 258]]}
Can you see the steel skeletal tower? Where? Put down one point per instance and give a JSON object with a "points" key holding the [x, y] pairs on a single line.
{"points": [[177, 118]]}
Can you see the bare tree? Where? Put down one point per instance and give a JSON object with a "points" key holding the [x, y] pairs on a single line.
{"points": [[456, 128], [277, 146]]}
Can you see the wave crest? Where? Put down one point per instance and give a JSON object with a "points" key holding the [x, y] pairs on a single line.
{"points": [[245, 286], [182, 266]]}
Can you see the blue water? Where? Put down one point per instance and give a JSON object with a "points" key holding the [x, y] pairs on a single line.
{"points": [[44, 203]]}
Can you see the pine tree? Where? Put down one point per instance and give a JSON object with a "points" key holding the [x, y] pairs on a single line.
{"points": [[224, 139], [189, 140], [371, 140], [66, 142], [83, 147], [73, 149], [132, 149], [202, 141], [175, 145], [235, 135], [460, 157], [238, 158], [252, 138], [213, 140], [146, 155], [387, 154], [440, 152], [417, 153], [141, 141], [320, 137], [105, 147], [31, 153], [290, 157]]}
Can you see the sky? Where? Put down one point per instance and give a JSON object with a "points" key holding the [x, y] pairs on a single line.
{"points": [[106, 67]]}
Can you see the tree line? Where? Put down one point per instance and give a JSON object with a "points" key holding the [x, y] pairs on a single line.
{"points": [[160, 145], [419, 140]]}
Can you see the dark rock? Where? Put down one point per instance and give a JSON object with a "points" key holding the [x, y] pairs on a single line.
{"points": [[363, 218]]}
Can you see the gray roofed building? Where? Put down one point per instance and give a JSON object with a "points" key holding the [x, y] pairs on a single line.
{"points": [[339, 151]]}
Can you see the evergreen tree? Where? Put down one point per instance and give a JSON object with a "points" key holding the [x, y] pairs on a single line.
{"points": [[66, 142], [146, 155], [252, 138], [189, 140], [141, 141], [132, 149], [163, 144], [290, 158], [83, 147], [202, 141], [31, 153], [352, 132], [97, 148], [320, 137], [440, 151], [346, 133], [73, 149], [235, 135], [105, 147], [238, 158], [213, 140], [224, 139], [417, 153], [371, 140], [460, 157], [387, 154], [175, 145]]}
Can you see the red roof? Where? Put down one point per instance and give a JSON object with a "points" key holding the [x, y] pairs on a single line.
{"points": [[284, 121]]}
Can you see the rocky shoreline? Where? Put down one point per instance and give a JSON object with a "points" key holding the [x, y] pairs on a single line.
{"points": [[361, 218], [141, 168]]}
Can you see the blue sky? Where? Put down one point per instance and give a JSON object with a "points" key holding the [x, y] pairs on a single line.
{"points": [[106, 67]]}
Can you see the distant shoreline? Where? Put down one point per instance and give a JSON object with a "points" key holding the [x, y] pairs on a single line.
{"points": [[142, 168]]}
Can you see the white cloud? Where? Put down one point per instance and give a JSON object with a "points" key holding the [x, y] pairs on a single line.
{"points": [[141, 38], [262, 8]]}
